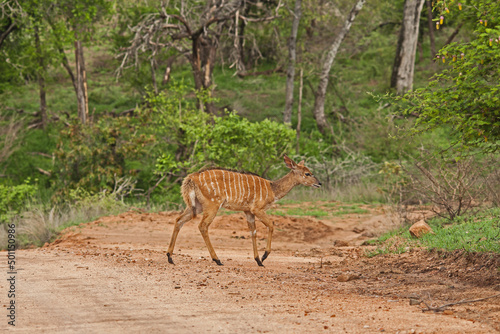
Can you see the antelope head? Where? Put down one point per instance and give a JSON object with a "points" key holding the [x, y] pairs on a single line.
{"points": [[303, 175]]}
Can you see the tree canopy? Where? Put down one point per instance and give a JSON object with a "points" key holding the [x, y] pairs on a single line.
{"points": [[465, 94]]}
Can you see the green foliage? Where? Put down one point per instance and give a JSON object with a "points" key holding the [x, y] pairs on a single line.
{"points": [[42, 222], [300, 212], [394, 180], [196, 139], [13, 199], [186, 139], [80, 198], [93, 157], [349, 210], [235, 142], [81, 15], [480, 233], [464, 96]]}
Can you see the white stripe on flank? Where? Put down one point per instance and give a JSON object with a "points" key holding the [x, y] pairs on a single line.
{"points": [[217, 182], [210, 182], [235, 190], [228, 186], [204, 182], [242, 188], [260, 184], [254, 188], [267, 190], [239, 186], [206, 185], [224, 183], [249, 192], [235, 198]]}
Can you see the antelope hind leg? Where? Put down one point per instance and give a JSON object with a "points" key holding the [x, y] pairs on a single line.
{"points": [[186, 216]]}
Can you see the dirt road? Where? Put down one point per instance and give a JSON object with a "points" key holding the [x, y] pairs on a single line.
{"points": [[112, 276]]}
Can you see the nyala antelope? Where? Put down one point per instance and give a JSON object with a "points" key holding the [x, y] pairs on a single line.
{"points": [[209, 190]]}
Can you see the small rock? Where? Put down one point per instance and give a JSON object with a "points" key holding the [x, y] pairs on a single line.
{"points": [[448, 312], [358, 230], [340, 243], [420, 229], [347, 277], [414, 301]]}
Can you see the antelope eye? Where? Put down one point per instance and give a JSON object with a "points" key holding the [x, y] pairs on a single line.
{"points": [[307, 174]]}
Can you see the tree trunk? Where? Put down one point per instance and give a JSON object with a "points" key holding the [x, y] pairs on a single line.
{"points": [[168, 69], [81, 82], [404, 63], [319, 102], [431, 28], [237, 54], [41, 77], [454, 34], [299, 111], [60, 48], [241, 39], [153, 75], [290, 75], [10, 28], [202, 63]]}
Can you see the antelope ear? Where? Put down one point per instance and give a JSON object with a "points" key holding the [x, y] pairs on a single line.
{"points": [[289, 162], [301, 163]]}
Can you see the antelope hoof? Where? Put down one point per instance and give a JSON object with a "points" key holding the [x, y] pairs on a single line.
{"points": [[266, 254], [218, 262], [170, 259], [259, 262]]}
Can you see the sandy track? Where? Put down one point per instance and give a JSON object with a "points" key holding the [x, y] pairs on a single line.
{"points": [[112, 276]]}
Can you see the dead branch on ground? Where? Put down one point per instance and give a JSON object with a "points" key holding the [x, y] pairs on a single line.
{"points": [[443, 307]]}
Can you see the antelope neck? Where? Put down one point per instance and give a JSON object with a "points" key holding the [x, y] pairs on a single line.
{"points": [[283, 186]]}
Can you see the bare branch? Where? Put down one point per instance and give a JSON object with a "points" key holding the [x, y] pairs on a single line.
{"points": [[10, 130], [442, 307]]}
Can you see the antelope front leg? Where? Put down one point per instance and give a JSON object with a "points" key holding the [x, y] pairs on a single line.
{"points": [[207, 219], [270, 228], [253, 233]]}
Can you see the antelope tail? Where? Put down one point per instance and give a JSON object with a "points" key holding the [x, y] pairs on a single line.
{"points": [[188, 190]]}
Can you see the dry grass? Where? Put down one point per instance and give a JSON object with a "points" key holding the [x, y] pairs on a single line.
{"points": [[361, 192], [36, 226]]}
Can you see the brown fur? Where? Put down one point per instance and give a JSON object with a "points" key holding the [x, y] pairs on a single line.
{"points": [[210, 189]]}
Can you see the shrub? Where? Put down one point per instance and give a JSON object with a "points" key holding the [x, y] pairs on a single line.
{"points": [[13, 199], [93, 156], [453, 186], [194, 139]]}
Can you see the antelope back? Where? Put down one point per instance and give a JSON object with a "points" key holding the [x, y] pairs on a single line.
{"points": [[234, 189]]}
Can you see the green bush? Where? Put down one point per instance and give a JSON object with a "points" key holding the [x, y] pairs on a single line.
{"points": [[94, 156], [195, 139], [13, 199]]}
